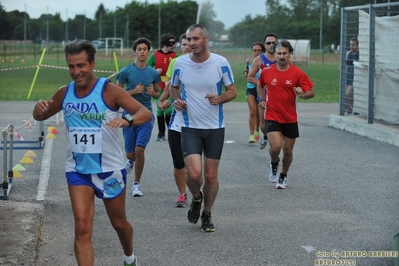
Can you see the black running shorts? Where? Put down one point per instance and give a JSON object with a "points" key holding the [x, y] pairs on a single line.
{"points": [[290, 130], [207, 141]]}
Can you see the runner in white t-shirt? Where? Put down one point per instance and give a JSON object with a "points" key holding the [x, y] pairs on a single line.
{"points": [[201, 76]]}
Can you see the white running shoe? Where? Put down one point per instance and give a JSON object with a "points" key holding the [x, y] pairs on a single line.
{"points": [[262, 143], [282, 183], [129, 166], [273, 172], [136, 190]]}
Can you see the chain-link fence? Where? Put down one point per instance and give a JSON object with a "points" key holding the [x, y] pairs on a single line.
{"points": [[369, 81]]}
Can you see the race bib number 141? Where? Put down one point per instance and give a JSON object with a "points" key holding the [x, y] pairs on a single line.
{"points": [[85, 140]]}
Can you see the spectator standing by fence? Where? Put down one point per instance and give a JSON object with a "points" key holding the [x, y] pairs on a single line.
{"points": [[351, 56]]}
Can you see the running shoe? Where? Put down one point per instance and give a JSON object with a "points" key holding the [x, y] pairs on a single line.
{"points": [[206, 222], [193, 214], [137, 192], [181, 201], [129, 166], [251, 139], [262, 143], [282, 183], [134, 263], [161, 138], [273, 171], [257, 137]]}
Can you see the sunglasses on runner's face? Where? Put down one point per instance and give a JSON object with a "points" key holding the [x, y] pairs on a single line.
{"points": [[172, 43], [268, 43]]}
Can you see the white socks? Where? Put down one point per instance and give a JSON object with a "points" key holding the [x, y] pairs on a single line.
{"points": [[129, 259]]}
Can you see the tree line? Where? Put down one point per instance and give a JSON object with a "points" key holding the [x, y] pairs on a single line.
{"points": [[292, 19], [296, 19]]}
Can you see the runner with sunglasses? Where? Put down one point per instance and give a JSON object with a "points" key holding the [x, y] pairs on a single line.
{"points": [[160, 60], [261, 61]]}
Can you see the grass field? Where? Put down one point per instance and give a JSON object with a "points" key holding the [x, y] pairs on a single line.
{"points": [[16, 83]]}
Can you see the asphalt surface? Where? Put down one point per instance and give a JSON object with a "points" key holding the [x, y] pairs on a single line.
{"points": [[341, 196]]}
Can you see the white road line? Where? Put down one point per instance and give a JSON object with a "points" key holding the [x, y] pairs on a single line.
{"points": [[309, 249], [45, 170]]}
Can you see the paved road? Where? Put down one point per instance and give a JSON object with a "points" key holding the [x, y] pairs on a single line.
{"points": [[342, 196]]}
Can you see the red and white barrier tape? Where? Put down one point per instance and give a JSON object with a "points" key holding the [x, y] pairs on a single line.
{"points": [[49, 66], [12, 130]]}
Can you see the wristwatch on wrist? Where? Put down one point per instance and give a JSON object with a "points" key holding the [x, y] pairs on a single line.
{"points": [[129, 118]]}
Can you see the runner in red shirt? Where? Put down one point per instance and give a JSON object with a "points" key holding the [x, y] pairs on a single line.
{"points": [[284, 82], [160, 60]]}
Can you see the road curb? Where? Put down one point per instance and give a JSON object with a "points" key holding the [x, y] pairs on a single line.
{"points": [[21, 234]]}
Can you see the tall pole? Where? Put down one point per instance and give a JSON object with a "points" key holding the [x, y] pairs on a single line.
{"points": [[25, 34], [100, 27], [321, 25], [159, 24], [66, 27], [115, 24], [84, 27], [47, 28], [198, 13], [127, 31], [321, 30]]}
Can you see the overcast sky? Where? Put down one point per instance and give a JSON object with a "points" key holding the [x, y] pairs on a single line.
{"points": [[229, 12]]}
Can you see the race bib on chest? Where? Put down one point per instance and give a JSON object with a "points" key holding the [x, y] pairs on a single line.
{"points": [[85, 139]]}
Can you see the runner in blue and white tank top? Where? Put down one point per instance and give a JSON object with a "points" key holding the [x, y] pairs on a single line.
{"points": [[88, 135], [94, 165], [252, 95], [263, 60]]}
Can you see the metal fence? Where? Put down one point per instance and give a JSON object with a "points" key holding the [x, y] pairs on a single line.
{"points": [[369, 82]]}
